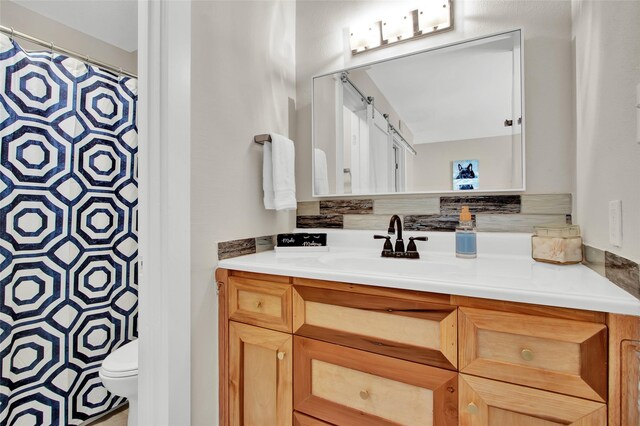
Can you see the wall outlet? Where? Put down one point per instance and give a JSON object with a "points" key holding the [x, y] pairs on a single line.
{"points": [[615, 223]]}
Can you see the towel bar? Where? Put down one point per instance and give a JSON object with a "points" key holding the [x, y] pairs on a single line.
{"points": [[261, 139]]}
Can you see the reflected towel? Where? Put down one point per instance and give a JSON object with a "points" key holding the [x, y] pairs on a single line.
{"points": [[283, 173], [320, 173]]}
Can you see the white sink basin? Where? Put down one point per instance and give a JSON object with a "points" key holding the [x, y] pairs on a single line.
{"points": [[373, 262]]}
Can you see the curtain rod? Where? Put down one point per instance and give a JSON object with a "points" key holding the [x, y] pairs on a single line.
{"points": [[52, 47]]}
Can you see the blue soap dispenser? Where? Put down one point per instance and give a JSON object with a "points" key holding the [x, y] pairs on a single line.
{"points": [[466, 236]]}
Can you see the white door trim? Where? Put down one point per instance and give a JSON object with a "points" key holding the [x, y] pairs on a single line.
{"points": [[164, 65]]}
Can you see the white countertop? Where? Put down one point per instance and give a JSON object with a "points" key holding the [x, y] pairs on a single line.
{"points": [[354, 257]]}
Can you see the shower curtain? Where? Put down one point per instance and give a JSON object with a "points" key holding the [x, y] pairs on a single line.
{"points": [[68, 233]]}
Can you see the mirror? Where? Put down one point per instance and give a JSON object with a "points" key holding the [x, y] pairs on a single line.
{"points": [[447, 119]]}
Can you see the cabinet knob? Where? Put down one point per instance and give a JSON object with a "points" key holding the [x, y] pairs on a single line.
{"points": [[259, 304], [280, 356], [472, 408], [527, 354], [364, 394]]}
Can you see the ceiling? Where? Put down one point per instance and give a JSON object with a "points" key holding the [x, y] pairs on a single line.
{"points": [[112, 21]]}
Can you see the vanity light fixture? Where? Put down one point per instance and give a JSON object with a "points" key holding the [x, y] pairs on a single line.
{"points": [[434, 17], [398, 28], [365, 38]]}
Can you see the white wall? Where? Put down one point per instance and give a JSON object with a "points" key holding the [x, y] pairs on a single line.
{"points": [[34, 24], [242, 84], [607, 46], [322, 47], [497, 169]]}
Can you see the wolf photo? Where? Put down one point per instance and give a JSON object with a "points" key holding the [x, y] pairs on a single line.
{"points": [[465, 175]]}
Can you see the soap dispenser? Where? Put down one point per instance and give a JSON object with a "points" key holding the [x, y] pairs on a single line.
{"points": [[466, 236]]}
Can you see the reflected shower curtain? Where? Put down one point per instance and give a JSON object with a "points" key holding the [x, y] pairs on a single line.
{"points": [[68, 233]]}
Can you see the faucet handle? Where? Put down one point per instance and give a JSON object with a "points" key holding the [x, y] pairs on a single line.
{"points": [[412, 245], [387, 243]]}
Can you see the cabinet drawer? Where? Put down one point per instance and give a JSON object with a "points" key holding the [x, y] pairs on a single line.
{"points": [[485, 402], [351, 387], [300, 419], [414, 330], [262, 303], [557, 355]]}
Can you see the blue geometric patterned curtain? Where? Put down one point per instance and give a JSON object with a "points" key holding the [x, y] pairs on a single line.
{"points": [[68, 233]]}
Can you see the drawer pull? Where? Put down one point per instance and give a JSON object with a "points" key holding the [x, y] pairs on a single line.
{"points": [[527, 354], [472, 408], [280, 356], [364, 394]]}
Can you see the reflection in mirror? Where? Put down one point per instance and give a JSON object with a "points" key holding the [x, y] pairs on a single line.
{"points": [[441, 120]]}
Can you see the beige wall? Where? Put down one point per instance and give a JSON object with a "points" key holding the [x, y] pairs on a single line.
{"points": [[322, 47], [36, 25], [242, 84], [607, 45], [432, 166]]}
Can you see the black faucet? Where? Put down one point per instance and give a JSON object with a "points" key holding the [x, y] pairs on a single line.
{"points": [[395, 220], [388, 251]]}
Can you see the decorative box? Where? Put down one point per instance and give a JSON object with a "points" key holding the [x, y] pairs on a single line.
{"points": [[559, 244]]}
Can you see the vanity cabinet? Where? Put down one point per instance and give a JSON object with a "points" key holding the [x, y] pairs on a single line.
{"points": [[306, 352]]}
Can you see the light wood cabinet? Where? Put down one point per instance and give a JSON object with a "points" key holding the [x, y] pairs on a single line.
{"points": [[557, 355], [300, 419], [624, 370], [260, 376], [348, 354], [630, 409], [346, 386], [485, 402], [414, 330]]}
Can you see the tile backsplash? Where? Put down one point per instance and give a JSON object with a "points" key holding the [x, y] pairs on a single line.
{"points": [[497, 213], [622, 272]]}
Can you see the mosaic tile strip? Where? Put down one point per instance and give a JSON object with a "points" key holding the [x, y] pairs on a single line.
{"points": [[423, 205], [266, 243], [308, 208], [516, 222], [546, 204], [333, 221], [235, 248], [430, 223], [367, 221], [623, 272], [328, 207], [594, 259], [502, 204]]}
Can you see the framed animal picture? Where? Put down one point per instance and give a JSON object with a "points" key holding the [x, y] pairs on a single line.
{"points": [[465, 175]]}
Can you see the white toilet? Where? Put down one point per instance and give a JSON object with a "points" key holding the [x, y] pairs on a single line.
{"points": [[119, 374]]}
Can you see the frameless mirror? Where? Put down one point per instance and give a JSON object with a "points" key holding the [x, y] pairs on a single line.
{"points": [[444, 119]]}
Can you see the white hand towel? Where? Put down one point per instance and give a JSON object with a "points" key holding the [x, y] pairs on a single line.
{"points": [[320, 173], [267, 177], [283, 159]]}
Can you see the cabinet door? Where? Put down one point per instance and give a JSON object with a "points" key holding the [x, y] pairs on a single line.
{"points": [[260, 376], [630, 410], [414, 330], [485, 402], [562, 356], [346, 386]]}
